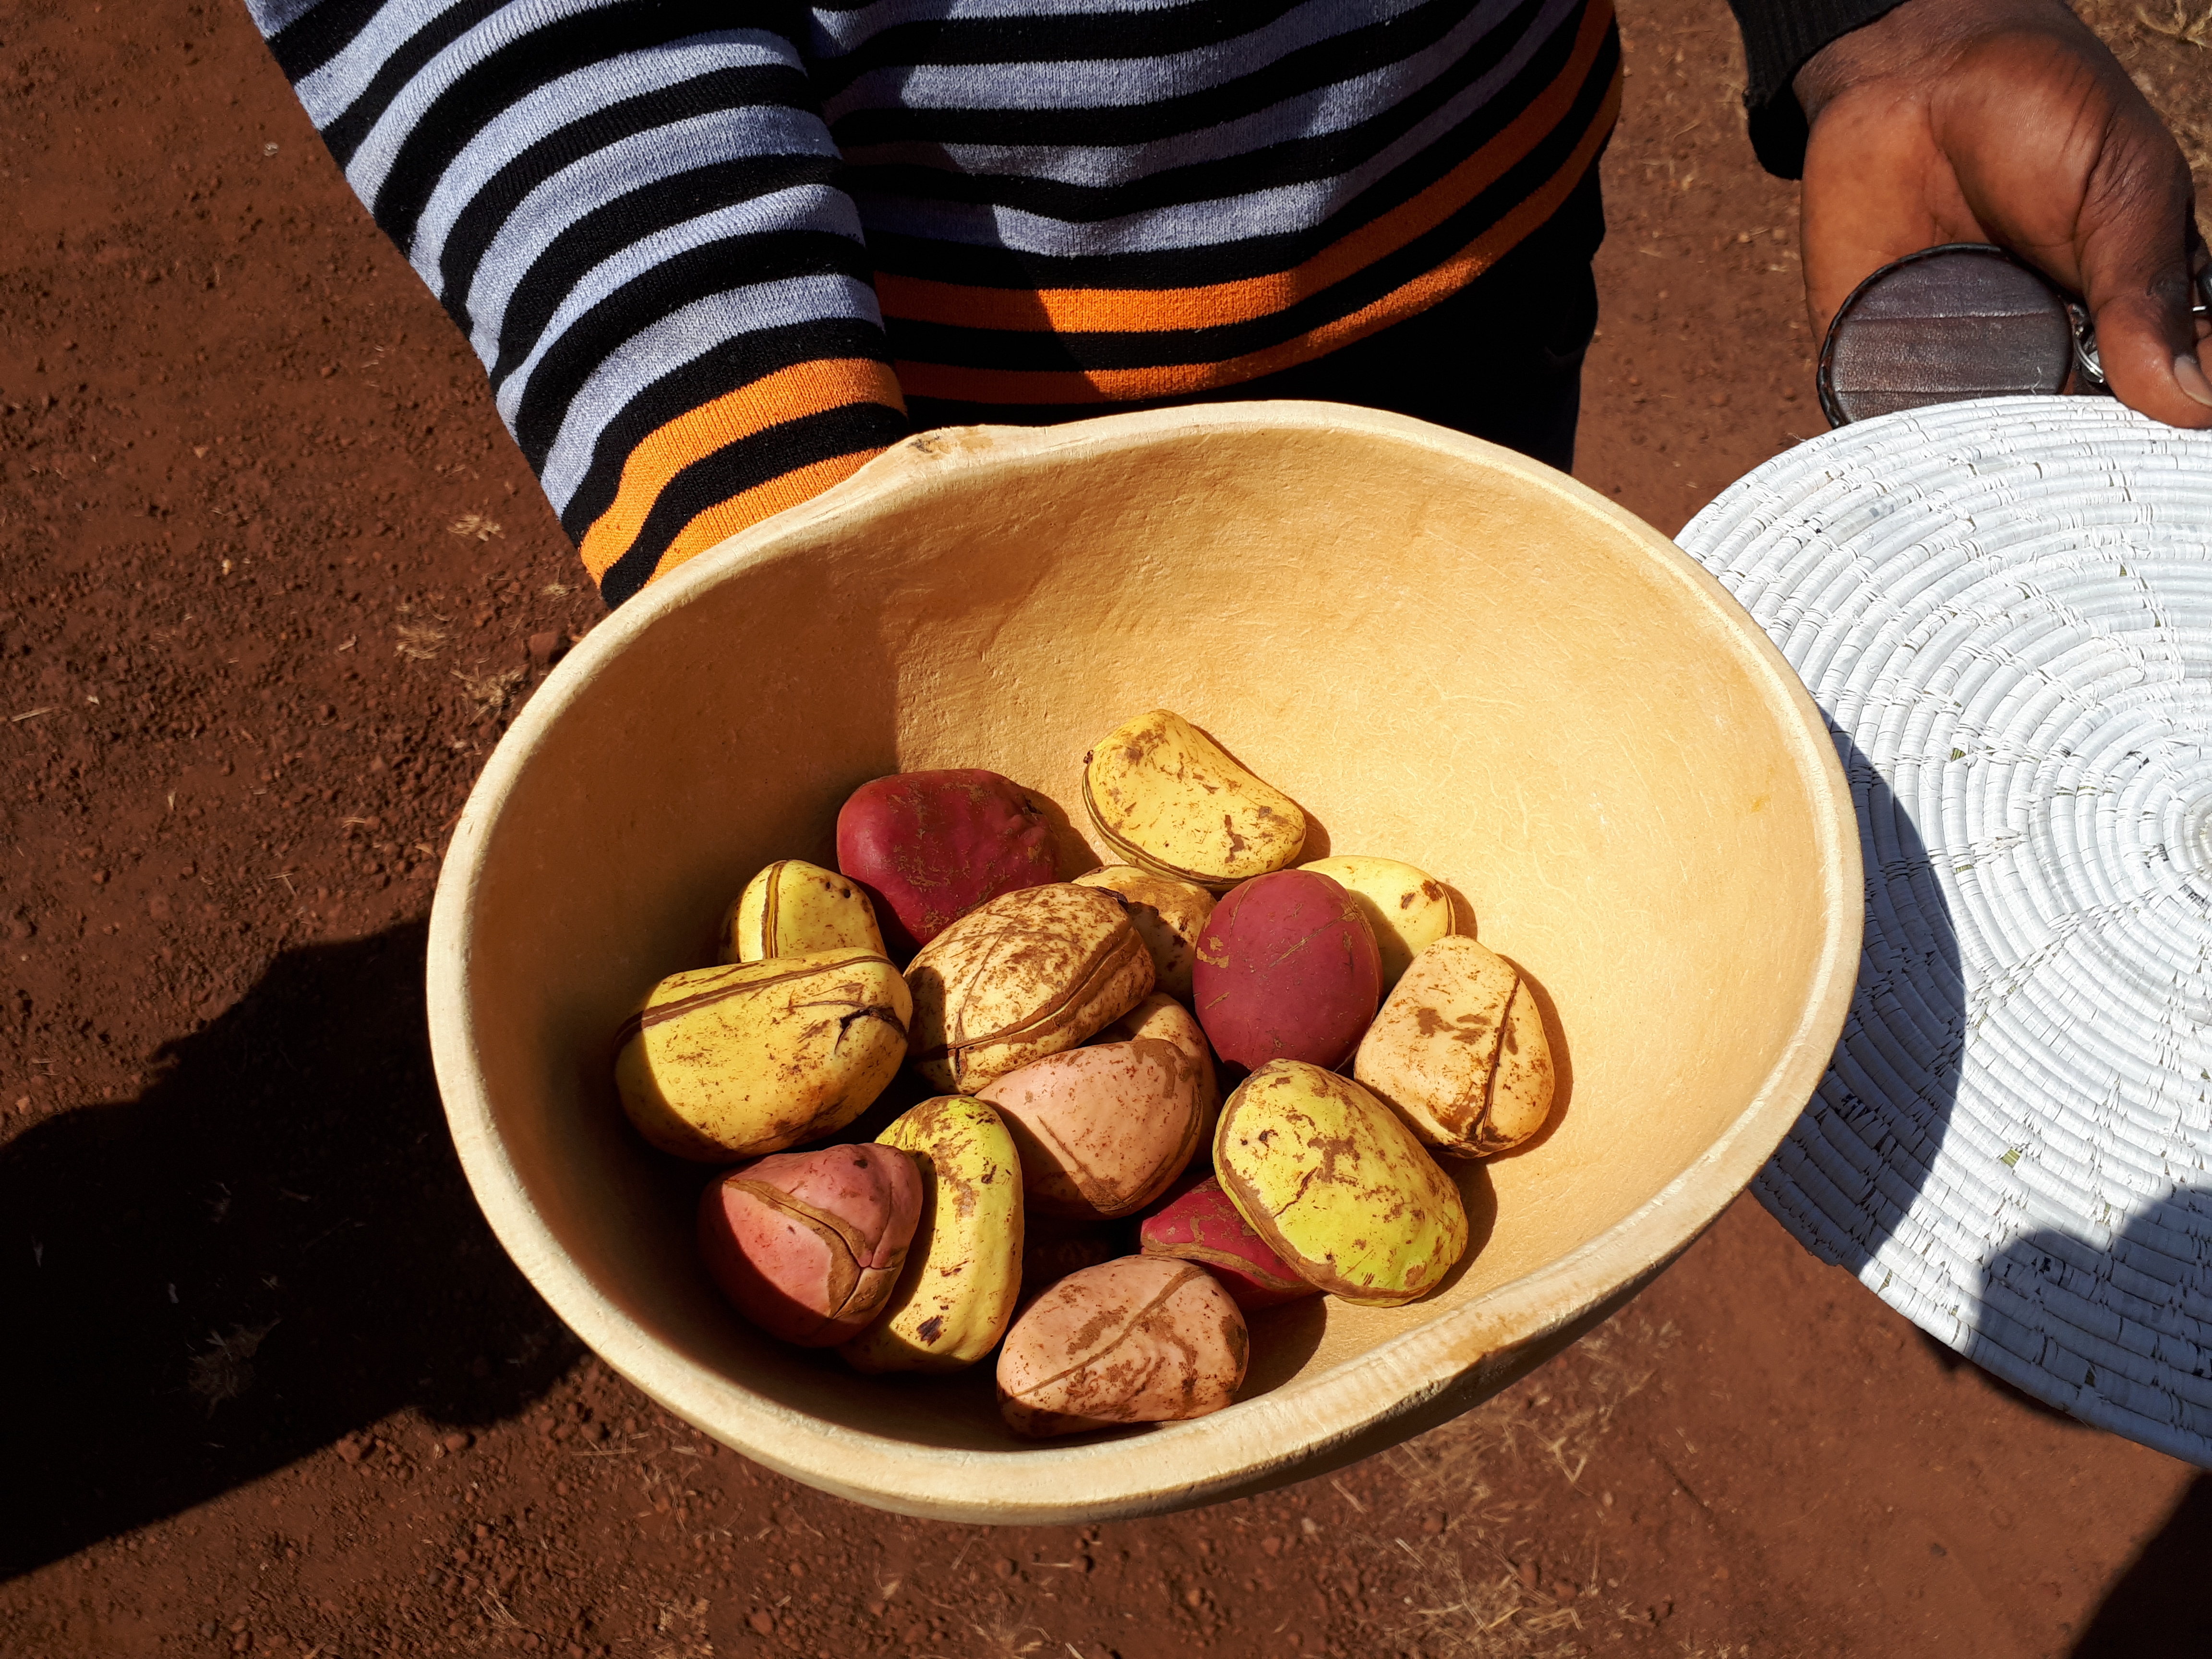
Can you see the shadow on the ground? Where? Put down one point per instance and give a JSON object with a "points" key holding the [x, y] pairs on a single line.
{"points": [[2163, 1604], [272, 1246], [1952, 1360], [2112, 1330]]}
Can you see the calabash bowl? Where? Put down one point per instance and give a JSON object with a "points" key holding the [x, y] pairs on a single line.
{"points": [[1445, 652]]}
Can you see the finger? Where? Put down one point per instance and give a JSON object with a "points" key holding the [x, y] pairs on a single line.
{"points": [[2136, 244]]}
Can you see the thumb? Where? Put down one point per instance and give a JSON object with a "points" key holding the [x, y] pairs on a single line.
{"points": [[2139, 252]]}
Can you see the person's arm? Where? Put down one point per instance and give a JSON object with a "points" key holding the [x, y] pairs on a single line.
{"points": [[2003, 121], [631, 210], [1780, 37]]}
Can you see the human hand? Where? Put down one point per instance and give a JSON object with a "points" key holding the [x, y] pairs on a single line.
{"points": [[2008, 121]]}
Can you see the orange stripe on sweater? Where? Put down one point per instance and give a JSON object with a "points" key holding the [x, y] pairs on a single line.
{"points": [[1177, 379], [1082, 310], [724, 520], [802, 389]]}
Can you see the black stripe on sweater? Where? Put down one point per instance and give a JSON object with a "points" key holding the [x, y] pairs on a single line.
{"points": [[734, 364], [746, 465], [1309, 68], [984, 266], [1298, 160], [1008, 349], [713, 268], [312, 38], [479, 223], [344, 133], [504, 78], [628, 220], [1068, 37]]}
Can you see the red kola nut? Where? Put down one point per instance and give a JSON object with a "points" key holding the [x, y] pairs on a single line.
{"points": [[1203, 1226], [1287, 969], [809, 1245], [930, 847]]}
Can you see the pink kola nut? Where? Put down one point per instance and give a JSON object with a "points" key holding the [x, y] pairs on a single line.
{"points": [[1103, 1130], [1160, 1016], [929, 847], [1203, 1226], [1287, 969], [1139, 1339], [808, 1245]]}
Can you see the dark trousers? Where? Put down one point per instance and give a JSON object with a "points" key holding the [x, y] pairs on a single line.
{"points": [[1502, 359]]}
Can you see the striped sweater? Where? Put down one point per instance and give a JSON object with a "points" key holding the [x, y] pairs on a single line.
{"points": [[715, 257]]}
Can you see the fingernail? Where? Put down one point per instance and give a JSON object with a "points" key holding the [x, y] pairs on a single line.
{"points": [[2190, 375]]}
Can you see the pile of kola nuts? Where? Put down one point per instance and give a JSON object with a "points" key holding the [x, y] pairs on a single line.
{"points": [[1049, 1201]]}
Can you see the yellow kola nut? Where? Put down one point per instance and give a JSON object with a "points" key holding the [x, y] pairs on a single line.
{"points": [[1027, 975], [793, 908], [1458, 1051], [730, 1062], [1167, 797], [1407, 911], [963, 1271], [1338, 1186]]}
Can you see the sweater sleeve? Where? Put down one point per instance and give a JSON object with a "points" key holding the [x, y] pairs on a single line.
{"points": [[631, 208], [1780, 38]]}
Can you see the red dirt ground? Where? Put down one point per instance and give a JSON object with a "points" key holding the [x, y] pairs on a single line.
{"points": [[274, 580]]}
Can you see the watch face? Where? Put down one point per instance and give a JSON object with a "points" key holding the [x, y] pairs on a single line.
{"points": [[1964, 320]]}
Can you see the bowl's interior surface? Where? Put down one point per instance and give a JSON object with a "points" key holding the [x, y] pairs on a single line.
{"points": [[1445, 654]]}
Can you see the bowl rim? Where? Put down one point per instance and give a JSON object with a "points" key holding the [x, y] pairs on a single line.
{"points": [[1273, 1437]]}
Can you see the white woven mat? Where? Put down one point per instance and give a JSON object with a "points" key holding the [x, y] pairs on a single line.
{"points": [[2005, 609]]}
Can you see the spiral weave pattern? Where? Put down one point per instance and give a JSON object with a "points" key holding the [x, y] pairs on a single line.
{"points": [[2004, 608]]}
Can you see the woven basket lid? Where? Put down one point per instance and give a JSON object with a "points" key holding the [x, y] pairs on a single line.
{"points": [[2005, 609]]}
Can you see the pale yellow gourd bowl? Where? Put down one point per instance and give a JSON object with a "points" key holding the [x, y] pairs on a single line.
{"points": [[1445, 652]]}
